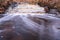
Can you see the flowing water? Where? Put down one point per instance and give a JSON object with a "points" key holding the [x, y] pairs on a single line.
{"points": [[27, 18]]}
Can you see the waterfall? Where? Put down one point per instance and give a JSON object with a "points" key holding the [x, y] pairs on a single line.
{"points": [[48, 29]]}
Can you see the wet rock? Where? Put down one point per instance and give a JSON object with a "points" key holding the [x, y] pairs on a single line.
{"points": [[22, 31]]}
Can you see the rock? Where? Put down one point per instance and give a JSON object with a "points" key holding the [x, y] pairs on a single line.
{"points": [[50, 3]]}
